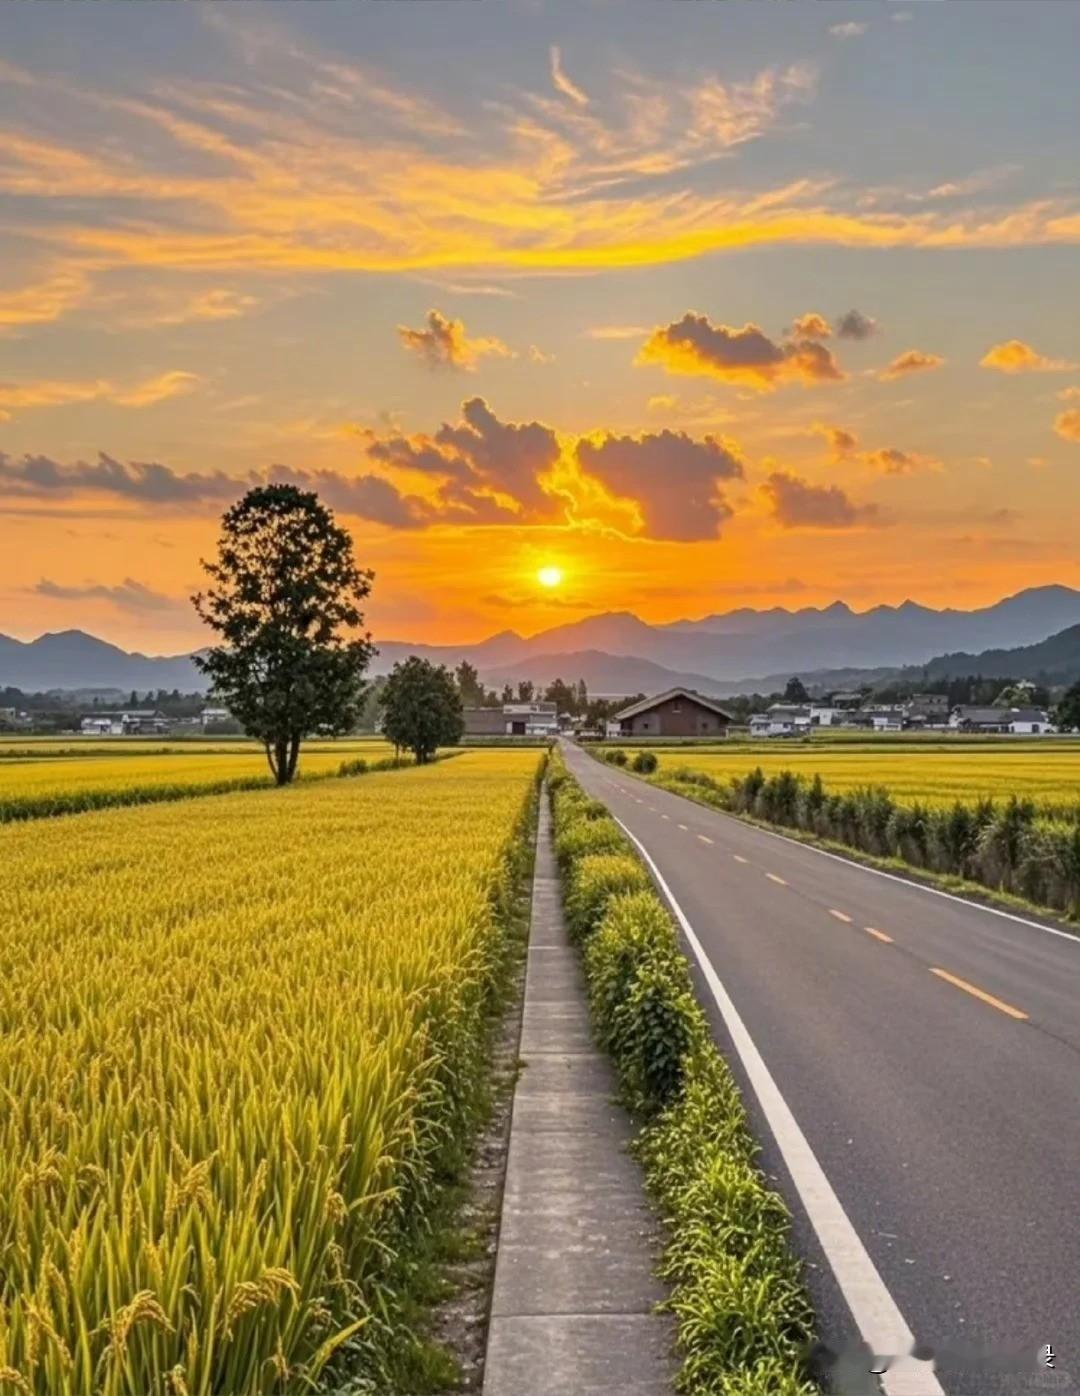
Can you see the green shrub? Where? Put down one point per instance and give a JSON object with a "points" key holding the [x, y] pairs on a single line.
{"points": [[357, 767], [657, 1027], [580, 836], [634, 927], [616, 757], [644, 763], [592, 882]]}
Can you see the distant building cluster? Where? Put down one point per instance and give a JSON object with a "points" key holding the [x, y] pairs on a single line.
{"points": [[539, 719], [923, 711], [149, 722]]}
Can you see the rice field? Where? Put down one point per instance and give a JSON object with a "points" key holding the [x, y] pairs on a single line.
{"points": [[65, 784], [72, 745], [1042, 770], [235, 1034]]}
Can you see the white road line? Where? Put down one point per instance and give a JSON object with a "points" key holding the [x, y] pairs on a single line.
{"points": [[739, 858], [773, 878], [904, 881], [880, 935], [876, 1314], [840, 915], [704, 838]]}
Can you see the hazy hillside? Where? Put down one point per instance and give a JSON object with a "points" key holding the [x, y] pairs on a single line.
{"points": [[619, 653]]}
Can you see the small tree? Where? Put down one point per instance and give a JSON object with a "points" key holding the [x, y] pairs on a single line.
{"points": [[421, 708], [469, 685], [286, 590], [795, 692]]}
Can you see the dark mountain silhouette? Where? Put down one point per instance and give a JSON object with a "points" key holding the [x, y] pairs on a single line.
{"points": [[618, 652]]}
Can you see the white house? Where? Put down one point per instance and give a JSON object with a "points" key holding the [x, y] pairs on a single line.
{"points": [[212, 715], [782, 720], [531, 719], [1030, 722]]}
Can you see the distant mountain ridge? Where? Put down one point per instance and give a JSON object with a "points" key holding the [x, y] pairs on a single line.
{"points": [[617, 652]]}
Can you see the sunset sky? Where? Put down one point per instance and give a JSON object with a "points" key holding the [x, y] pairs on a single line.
{"points": [[705, 305]]}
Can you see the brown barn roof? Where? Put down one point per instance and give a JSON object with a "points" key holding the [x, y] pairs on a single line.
{"points": [[647, 703]]}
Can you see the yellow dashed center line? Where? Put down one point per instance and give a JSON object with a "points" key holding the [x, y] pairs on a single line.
{"points": [[739, 858], [979, 993], [878, 935], [773, 878], [704, 838], [840, 915]]}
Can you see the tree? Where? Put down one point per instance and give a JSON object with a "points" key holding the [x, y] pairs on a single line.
{"points": [[286, 599], [795, 692], [507, 693], [421, 708], [1068, 711], [469, 685], [526, 691], [563, 695]]}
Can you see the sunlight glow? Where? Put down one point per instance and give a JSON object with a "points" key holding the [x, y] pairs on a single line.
{"points": [[549, 576]]}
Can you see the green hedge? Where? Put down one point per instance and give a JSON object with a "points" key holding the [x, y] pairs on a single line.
{"points": [[1014, 846], [744, 1322]]}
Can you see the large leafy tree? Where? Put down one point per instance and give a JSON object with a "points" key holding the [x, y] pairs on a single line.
{"points": [[1068, 712], [285, 597], [421, 708]]}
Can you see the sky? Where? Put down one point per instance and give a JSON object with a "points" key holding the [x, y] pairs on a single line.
{"points": [[687, 306]]}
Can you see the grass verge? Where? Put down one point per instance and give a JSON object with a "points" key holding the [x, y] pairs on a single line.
{"points": [[743, 1318]]}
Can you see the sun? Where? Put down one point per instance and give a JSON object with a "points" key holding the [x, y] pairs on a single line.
{"points": [[549, 576]]}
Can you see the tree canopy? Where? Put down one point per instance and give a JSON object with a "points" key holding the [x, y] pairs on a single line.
{"points": [[421, 708], [286, 597]]}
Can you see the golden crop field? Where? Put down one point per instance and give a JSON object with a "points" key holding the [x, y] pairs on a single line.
{"points": [[1045, 771], [72, 745], [64, 784], [232, 1035]]}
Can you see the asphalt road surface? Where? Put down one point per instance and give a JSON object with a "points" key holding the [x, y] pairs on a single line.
{"points": [[928, 1051]]}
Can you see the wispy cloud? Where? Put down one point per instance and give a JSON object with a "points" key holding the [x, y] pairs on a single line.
{"points": [[55, 392], [851, 29], [909, 362], [562, 82], [129, 595]]}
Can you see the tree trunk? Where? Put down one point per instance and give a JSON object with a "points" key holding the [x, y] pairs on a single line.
{"points": [[281, 761], [270, 759], [294, 756]]}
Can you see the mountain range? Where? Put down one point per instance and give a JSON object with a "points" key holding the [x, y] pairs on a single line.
{"points": [[618, 653]]}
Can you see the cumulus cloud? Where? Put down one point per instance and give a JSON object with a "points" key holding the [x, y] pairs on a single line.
{"points": [[747, 356], [853, 324], [911, 361], [128, 595], [505, 456], [444, 344], [672, 478], [843, 444], [795, 503], [849, 30], [1067, 424], [562, 83], [1014, 356], [844, 447], [812, 326]]}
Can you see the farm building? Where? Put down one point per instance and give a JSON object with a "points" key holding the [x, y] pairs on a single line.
{"points": [[680, 712], [782, 720], [512, 720], [1019, 721]]}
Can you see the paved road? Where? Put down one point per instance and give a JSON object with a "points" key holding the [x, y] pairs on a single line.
{"points": [[930, 1052]]}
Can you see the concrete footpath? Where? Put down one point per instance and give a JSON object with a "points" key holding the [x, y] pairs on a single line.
{"points": [[574, 1289]]}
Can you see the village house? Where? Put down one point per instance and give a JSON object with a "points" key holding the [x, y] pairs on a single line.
{"points": [[782, 720], [679, 712], [1017, 721], [128, 723]]}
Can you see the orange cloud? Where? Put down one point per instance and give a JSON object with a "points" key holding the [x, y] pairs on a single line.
{"points": [[812, 326], [747, 356], [16, 397], [1067, 424], [562, 83], [43, 301], [843, 444], [444, 344], [911, 361], [1014, 356]]}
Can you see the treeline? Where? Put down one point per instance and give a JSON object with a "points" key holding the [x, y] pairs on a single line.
{"points": [[1017, 846], [572, 698]]}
